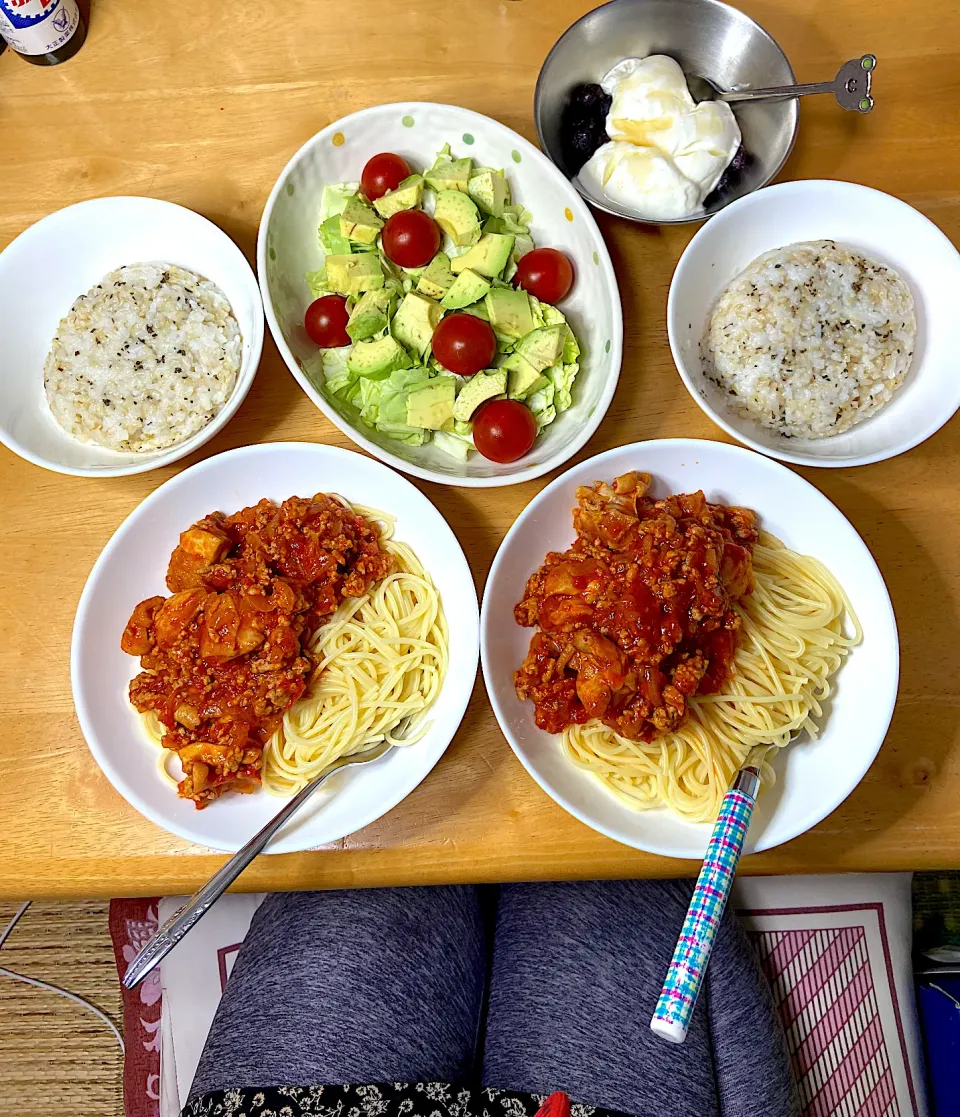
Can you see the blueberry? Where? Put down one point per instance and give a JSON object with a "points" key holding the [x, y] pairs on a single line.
{"points": [[731, 177], [587, 94], [583, 125], [583, 140]]}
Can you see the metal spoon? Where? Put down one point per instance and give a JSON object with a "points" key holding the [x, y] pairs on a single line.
{"points": [[851, 87], [203, 900]]}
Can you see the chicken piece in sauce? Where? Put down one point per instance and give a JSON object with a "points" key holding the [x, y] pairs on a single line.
{"points": [[222, 656], [637, 616]]}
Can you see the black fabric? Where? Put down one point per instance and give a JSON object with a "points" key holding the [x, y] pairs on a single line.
{"points": [[394, 1099]]}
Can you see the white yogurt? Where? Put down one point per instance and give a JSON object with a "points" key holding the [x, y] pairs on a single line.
{"points": [[666, 153]]}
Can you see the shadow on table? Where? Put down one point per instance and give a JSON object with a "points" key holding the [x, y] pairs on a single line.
{"points": [[921, 737]]}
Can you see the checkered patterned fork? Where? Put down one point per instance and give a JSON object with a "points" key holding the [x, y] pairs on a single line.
{"points": [[685, 975]]}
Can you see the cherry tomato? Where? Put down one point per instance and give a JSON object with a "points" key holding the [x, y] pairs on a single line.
{"points": [[464, 344], [326, 322], [384, 172], [546, 273], [504, 430], [411, 238]]}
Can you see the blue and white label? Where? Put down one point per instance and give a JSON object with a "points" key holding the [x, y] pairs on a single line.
{"points": [[38, 26]]}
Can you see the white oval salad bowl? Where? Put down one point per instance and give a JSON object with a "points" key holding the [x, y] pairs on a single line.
{"points": [[289, 247]]}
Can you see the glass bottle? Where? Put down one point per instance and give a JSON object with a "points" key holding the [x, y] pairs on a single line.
{"points": [[44, 32]]}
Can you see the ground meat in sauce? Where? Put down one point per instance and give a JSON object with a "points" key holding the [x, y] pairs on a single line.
{"points": [[222, 656], [637, 616]]}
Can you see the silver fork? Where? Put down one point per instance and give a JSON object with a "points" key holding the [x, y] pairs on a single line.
{"points": [[203, 900]]}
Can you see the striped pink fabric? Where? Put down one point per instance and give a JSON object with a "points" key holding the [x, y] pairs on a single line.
{"points": [[824, 992]]}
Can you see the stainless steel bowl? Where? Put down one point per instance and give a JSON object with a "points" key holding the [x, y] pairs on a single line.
{"points": [[706, 37]]}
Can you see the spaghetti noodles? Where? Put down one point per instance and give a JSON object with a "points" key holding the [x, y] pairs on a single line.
{"points": [[378, 661], [796, 628]]}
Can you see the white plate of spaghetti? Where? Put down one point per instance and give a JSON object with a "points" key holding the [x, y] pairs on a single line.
{"points": [[661, 608], [260, 615]]}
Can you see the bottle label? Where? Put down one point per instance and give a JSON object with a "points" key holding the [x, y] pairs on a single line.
{"points": [[38, 26]]}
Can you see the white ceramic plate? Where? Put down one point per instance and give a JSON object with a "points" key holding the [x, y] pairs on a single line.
{"points": [[287, 248], [55, 261], [132, 567], [882, 227], [813, 777]]}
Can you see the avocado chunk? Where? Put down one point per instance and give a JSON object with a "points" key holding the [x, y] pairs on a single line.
{"points": [[478, 389], [490, 191], [359, 223], [467, 288], [543, 347], [354, 274], [437, 277], [331, 239], [510, 312], [450, 174], [458, 217], [488, 256], [415, 320], [370, 314], [431, 405], [406, 196], [522, 378], [377, 358]]}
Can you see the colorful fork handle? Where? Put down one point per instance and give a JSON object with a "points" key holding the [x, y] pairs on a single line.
{"points": [[685, 975]]}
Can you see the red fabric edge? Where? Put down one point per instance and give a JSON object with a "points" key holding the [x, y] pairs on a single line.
{"points": [[131, 921]]}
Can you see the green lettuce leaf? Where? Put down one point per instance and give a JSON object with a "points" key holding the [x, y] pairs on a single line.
{"points": [[542, 405], [333, 363], [521, 246], [334, 199], [453, 444], [317, 282], [562, 376]]}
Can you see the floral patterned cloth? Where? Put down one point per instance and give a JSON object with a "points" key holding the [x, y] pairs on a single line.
{"points": [[132, 924], [419, 1099]]}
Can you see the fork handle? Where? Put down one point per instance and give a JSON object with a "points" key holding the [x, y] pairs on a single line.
{"points": [[779, 92], [681, 987], [204, 898]]}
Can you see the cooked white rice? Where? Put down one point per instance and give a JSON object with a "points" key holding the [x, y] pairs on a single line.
{"points": [[810, 339], [144, 359]]}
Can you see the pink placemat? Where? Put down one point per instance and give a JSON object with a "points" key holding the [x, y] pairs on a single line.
{"points": [[836, 952]]}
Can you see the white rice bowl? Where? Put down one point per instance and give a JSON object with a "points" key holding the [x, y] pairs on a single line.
{"points": [[145, 359], [810, 339]]}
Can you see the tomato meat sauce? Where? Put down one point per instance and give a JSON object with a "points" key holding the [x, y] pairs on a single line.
{"points": [[637, 616], [223, 656]]}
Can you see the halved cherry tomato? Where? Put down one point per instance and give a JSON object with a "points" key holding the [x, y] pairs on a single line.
{"points": [[546, 273], [464, 344], [504, 430], [411, 238], [384, 172], [326, 321]]}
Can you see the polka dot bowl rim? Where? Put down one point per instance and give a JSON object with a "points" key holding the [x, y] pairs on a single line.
{"points": [[572, 430]]}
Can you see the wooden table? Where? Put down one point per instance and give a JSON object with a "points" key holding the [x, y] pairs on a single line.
{"points": [[203, 106]]}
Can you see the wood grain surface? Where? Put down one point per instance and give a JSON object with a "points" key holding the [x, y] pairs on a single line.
{"points": [[203, 106]]}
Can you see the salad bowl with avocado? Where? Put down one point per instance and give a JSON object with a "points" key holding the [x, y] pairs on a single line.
{"points": [[457, 308]]}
